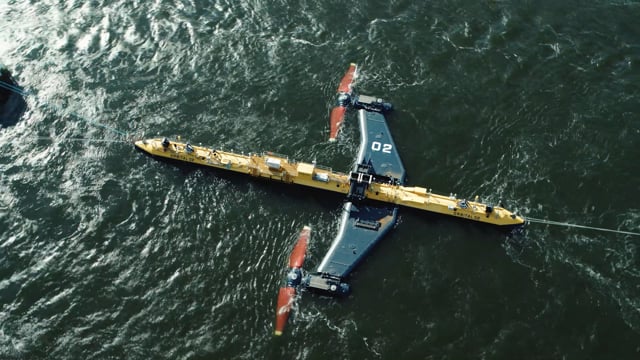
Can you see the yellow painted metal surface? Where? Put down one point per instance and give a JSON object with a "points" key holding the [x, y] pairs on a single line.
{"points": [[280, 168]]}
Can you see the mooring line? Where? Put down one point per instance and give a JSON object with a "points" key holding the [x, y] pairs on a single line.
{"points": [[13, 88], [23, 93], [558, 223]]}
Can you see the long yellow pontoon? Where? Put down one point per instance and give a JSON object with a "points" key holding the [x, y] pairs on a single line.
{"points": [[280, 168]]}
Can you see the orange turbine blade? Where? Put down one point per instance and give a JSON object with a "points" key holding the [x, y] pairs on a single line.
{"points": [[285, 299]]}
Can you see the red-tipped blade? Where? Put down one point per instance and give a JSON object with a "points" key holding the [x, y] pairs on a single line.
{"points": [[347, 79], [297, 255], [337, 115], [285, 299]]}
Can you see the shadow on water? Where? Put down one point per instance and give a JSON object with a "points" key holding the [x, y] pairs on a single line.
{"points": [[12, 102]]}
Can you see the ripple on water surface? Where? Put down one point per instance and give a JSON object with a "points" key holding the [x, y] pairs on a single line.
{"points": [[108, 253]]}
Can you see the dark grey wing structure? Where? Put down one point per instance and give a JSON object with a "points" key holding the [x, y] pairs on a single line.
{"points": [[363, 224], [377, 148]]}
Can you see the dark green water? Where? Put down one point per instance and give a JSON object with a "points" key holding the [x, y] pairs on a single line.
{"points": [[108, 254]]}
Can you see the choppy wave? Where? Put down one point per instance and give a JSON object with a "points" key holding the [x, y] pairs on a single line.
{"points": [[107, 253]]}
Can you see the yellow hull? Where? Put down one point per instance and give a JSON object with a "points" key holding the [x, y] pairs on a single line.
{"points": [[280, 168]]}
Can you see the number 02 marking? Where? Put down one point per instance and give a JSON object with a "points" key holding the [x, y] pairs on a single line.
{"points": [[377, 146]]}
